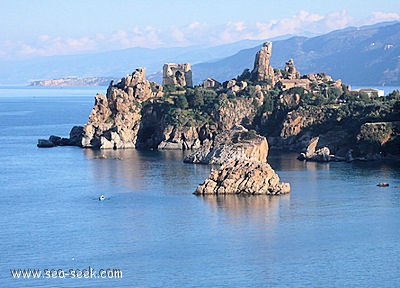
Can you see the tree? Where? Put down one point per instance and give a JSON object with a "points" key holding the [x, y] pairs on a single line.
{"points": [[245, 76], [181, 102], [334, 93], [195, 98]]}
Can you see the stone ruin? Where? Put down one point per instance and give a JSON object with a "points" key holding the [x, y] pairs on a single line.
{"points": [[177, 74]]}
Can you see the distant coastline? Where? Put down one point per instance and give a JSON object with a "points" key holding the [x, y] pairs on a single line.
{"points": [[73, 81]]}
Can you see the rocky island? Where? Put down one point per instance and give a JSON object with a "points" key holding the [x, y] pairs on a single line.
{"points": [[233, 122]]}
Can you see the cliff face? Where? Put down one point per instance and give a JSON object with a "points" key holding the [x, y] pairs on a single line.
{"points": [[235, 112], [375, 139], [230, 144], [165, 127], [159, 129], [368, 130], [115, 119]]}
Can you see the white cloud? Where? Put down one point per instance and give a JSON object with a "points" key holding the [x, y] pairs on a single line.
{"points": [[303, 22], [43, 38], [194, 33], [237, 26], [194, 25], [377, 17]]}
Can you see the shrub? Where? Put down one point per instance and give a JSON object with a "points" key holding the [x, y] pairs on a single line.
{"points": [[181, 102]]}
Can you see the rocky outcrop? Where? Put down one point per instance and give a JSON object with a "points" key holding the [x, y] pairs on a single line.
{"points": [[379, 139], [235, 143], [75, 139], [159, 131], [262, 70], [180, 138], [115, 118], [245, 170], [177, 74], [243, 176], [291, 70], [317, 155], [234, 86], [236, 112]]}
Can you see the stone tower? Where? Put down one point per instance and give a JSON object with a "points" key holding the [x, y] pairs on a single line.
{"points": [[177, 74], [262, 70]]}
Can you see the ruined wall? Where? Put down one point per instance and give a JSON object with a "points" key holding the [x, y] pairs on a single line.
{"points": [[177, 74]]}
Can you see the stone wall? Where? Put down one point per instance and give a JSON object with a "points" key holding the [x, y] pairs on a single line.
{"points": [[177, 74]]}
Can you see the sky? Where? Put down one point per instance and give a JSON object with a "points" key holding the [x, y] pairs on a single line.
{"points": [[32, 28]]}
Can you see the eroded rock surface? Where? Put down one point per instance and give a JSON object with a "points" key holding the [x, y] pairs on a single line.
{"points": [[262, 70], [235, 143], [243, 176], [115, 118], [243, 155]]}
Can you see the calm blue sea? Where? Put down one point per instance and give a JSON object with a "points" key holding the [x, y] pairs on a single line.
{"points": [[335, 229]]}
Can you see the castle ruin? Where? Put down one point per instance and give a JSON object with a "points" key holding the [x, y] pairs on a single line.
{"points": [[177, 74]]}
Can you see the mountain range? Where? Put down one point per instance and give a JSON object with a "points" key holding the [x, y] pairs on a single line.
{"points": [[367, 55]]}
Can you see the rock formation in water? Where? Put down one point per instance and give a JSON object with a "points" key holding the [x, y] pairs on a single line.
{"points": [[243, 176], [75, 139], [288, 109], [115, 119], [245, 171], [317, 155]]}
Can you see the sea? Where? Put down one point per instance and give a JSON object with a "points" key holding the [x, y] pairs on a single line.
{"points": [[336, 228]]}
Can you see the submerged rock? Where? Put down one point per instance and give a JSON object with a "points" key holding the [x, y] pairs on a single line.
{"points": [[45, 143], [75, 138]]}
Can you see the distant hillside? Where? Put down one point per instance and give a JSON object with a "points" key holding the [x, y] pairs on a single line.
{"points": [[74, 81], [368, 55], [116, 63]]}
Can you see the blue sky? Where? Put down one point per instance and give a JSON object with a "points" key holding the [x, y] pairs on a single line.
{"points": [[30, 28]]}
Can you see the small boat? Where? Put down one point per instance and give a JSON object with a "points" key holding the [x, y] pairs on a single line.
{"points": [[101, 197], [383, 184]]}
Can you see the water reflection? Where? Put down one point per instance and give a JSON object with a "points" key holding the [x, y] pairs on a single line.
{"points": [[259, 208], [285, 161], [114, 167], [158, 171]]}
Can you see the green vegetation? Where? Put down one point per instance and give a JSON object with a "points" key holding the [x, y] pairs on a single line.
{"points": [[328, 106]]}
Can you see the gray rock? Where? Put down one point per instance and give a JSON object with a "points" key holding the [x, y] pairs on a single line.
{"points": [[235, 143], [45, 143]]}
